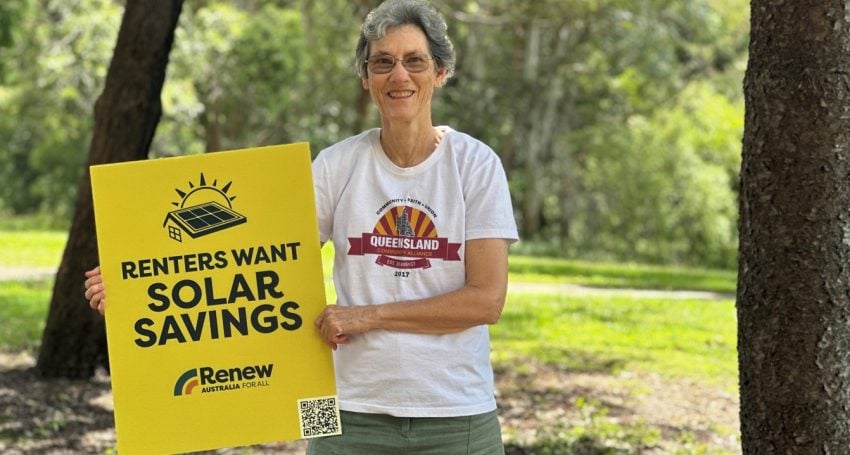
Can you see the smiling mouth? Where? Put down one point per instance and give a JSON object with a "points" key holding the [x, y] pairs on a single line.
{"points": [[400, 94]]}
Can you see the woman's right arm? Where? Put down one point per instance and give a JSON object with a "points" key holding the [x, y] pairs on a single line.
{"points": [[95, 292]]}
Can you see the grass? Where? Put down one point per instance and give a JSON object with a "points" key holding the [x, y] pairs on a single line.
{"points": [[597, 333], [692, 338], [592, 333], [31, 248], [620, 275], [23, 310]]}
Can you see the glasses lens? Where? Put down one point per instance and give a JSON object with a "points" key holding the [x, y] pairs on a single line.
{"points": [[385, 63], [416, 63], [380, 65]]}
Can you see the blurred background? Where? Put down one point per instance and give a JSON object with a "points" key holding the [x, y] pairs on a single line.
{"points": [[619, 122]]}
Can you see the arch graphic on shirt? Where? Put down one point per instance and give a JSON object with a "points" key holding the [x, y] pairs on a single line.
{"points": [[404, 238]]}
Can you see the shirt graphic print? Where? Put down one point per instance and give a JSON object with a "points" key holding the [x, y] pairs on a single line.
{"points": [[405, 237]]}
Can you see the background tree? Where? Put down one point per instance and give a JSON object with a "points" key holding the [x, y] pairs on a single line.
{"points": [[562, 89], [125, 119], [618, 121], [794, 280], [54, 73]]}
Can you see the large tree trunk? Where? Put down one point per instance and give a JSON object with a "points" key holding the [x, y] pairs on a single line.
{"points": [[126, 115], [794, 272]]}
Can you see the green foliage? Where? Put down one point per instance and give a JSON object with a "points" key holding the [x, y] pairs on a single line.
{"points": [[11, 12], [618, 122], [664, 189], [45, 116], [577, 97], [242, 78]]}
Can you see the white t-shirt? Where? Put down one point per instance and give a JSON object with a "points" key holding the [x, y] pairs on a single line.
{"points": [[399, 234]]}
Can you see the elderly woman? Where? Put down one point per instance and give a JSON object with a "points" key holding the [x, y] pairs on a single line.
{"points": [[421, 220]]}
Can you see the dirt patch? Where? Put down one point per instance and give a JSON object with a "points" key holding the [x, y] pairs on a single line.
{"points": [[641, 413], [75, 417], [10, 273]]}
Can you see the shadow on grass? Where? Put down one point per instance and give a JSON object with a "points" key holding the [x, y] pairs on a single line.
{"points": [[566, 359], [41, 416]]}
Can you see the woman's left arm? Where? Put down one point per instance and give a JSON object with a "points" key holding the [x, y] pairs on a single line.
{"points": [[479, 301]]}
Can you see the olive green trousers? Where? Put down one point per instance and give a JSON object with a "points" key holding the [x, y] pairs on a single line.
{"points": [[374, 434]]}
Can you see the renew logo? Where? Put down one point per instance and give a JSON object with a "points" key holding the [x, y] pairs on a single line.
{"points": [[219, 380], [186, 383]]}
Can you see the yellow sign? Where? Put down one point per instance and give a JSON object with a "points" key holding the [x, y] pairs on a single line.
{"points": [[214, 279]]}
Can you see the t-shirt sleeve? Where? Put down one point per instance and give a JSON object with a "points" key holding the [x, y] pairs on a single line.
{"points": [[324, 200], [489, 212]]}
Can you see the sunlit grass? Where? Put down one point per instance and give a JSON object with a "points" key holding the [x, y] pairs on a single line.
{"points": [[620, 275], [607, 334], [31, 248], [23, 311], [586, 333], [692, 338]]}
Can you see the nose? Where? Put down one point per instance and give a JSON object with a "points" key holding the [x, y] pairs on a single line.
{"points": [[399, 72]]}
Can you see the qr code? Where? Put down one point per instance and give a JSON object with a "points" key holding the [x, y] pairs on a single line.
{"points": [[319, 417]]}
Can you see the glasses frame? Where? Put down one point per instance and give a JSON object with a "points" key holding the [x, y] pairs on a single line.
{"points": [[397, 60]]}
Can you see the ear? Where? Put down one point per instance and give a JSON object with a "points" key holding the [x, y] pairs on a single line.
{"points": [[365, 83], [441, 78]]}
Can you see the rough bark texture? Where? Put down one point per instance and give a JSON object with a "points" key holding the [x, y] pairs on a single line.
{"points": [[794, 286], [126, 115]]}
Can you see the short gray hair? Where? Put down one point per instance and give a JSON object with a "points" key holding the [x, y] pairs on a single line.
{"points": [[393, 13]]}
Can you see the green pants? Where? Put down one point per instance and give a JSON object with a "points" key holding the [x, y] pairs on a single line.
{"points": [[373, 434]]}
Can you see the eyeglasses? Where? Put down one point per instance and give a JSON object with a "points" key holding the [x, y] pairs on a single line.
{"points": [[383, 64]]}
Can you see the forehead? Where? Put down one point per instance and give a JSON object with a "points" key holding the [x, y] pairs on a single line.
{"points": [[401, 40]]}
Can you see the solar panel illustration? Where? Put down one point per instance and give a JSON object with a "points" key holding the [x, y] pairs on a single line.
{"points": [[205, 218]]}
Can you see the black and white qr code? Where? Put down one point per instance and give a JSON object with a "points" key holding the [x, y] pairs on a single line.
{"points": [[319, 417]]}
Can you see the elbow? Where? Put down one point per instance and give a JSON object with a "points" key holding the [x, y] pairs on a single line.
{"points": [[494, 306]]}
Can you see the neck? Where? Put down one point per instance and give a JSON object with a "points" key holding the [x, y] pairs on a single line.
{"points": [[408, 145]]}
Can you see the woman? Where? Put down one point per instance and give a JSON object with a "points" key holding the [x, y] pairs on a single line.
{"points": [[421, 220]]}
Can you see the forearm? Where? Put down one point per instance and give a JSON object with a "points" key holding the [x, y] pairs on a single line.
{"points": [[447, 313], [479, 301]]}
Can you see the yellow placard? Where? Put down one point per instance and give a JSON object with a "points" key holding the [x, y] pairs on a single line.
{"points": [[214, 277]]}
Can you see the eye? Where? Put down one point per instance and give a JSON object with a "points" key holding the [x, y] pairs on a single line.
{"points": [[415, 60], [384, 60]]}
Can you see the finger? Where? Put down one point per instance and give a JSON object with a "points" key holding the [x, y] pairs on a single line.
{"points": [[93, 290], [96, 298], [93, 272]]}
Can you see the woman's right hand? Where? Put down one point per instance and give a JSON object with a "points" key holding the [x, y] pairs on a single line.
{"points": [[95, 292]]}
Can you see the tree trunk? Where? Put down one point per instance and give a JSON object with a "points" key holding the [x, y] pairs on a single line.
{"points": [[794, 267], [126, 115]]}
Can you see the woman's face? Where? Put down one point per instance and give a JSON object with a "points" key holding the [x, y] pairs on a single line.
{"points": [[402, 96]]}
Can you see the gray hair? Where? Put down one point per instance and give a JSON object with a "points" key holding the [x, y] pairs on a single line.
{"points": [[393, 13]]}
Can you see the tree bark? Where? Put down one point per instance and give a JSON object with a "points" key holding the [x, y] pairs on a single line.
{"points": [[126, 114], [793, 297]]}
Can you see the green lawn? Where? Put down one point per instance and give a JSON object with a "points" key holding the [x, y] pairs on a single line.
{"points": [[596, 333], [31, 248], [693, 338], [620, 275], [23, 310]]}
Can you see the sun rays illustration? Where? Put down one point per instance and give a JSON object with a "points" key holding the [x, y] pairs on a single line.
{"points": [[203, 191], [202, 209]]}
